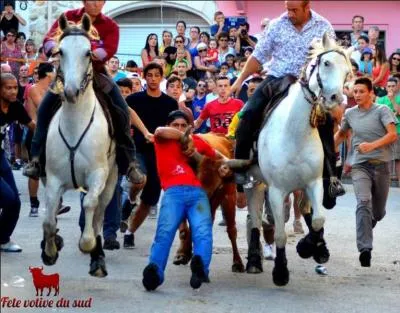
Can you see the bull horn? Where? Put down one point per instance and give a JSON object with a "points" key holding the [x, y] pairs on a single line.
{"points": [[236, 164]]}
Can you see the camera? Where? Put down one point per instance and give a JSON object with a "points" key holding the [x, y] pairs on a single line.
{"points": [[243, 32]]}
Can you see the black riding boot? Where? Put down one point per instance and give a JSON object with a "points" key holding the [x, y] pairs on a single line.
{"points": [[332, 186], [249, 123], [119, 112]]}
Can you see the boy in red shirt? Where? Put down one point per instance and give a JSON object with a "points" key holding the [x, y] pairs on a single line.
{"points": [[220, 111], [183, 198]]}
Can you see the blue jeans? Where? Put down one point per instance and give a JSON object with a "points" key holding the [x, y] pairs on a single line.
{"points": [[181, 202], [9, 200], [112, 215]]}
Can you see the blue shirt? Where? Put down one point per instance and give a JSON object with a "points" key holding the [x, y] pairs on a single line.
{"points": [[214, 29], [198, 105], [286, 48], [118, 76]]}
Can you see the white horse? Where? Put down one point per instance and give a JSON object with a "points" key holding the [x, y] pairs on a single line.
{"points": [[79, 152], [290, 152]]}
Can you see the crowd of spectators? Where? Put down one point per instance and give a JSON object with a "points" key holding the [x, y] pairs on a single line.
{"points": [[198, 68]]}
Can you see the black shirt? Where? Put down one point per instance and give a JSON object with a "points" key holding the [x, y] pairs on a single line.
{"points": [[6, 24], [16, 112], [153, 112]]}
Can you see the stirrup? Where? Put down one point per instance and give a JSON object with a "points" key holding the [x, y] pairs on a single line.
{"points": [[32, 170], [135, 175], [336, 188]]}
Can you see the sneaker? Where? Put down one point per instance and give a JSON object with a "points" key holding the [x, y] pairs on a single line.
{"points": [[129, 241], [64, 209], [269, 253], [111, 244], [17, 166], [198, 274], [153, 212], [10, 247], [34, 212], [365, 258], [32, 170], [298, 227], [151, 280], [123, 226]]}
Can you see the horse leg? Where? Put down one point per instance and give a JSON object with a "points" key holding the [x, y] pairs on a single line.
{"points": [[97, 256], [255, 196], [96, 181], [280, 273], [184, 253], [313, 244], [228, 205], [51, 243]]}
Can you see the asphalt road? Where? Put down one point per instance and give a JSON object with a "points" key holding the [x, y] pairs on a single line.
{"points": [[347, 287]]}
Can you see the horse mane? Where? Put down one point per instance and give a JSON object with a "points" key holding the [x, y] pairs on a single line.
{"points": [[73, 27], [317, 48]]}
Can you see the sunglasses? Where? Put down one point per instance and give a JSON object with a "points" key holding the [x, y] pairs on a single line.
{"points": [[178, 41], [201, 85], [203, 50], [396, 59]]}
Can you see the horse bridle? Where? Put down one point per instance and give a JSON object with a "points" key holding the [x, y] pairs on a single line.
{"points": [[84, 83], [88, 73], [305, 83]]}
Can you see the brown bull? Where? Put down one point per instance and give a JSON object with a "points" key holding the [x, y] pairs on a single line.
{"points": [[221, 192]]}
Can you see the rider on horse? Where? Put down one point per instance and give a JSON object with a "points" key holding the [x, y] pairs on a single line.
{"points": [[284, 45], [102, 50]]}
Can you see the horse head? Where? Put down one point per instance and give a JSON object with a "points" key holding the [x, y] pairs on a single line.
{"points": [[326, 72], [74, 50]]}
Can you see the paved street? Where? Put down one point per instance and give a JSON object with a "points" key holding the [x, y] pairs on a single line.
{"points": [[347, 287]]}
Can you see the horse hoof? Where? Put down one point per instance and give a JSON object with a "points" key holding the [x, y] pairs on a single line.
{"points": [[181, 259], [59, 242], [252, 269], [254, 265], [98, 268], [280, 276], [321, 253], [47, 260], [237, 268], [305, 248]]}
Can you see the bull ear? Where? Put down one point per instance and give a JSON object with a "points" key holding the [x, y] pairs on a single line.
{"points": [[63, 22], [86, 23], [328, 42]]}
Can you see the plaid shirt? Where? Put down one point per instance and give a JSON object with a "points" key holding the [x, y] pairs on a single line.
{"points": [[285, 48]]}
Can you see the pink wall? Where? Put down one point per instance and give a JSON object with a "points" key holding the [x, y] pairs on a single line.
{"points": [[384, 14]]}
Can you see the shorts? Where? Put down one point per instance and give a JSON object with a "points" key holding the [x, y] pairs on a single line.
{"points": [[396, 149], [16, 133], [152, 190]]}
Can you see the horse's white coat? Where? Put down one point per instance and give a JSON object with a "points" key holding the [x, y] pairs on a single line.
{"points": [[95, 166], [290, 150]]}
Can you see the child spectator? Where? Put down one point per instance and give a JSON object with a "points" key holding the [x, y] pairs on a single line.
{"points": [[212, 52], [125, 86], [136, 82], [181, 57], [366, 61], [224, 71]]}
